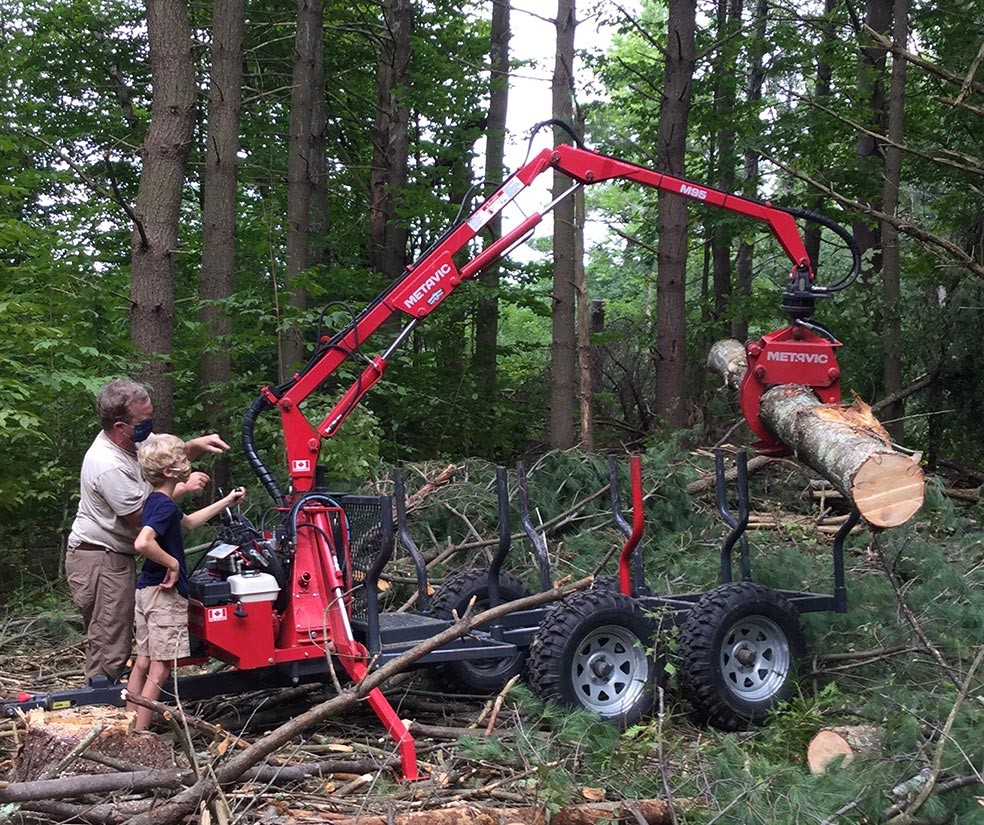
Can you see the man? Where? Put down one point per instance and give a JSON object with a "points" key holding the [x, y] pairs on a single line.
{"points": [[100, 564]]}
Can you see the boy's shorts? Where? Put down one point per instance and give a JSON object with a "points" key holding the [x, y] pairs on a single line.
{"points": [[161, 624]]}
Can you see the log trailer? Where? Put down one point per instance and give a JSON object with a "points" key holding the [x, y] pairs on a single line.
{"points": [[285, 605]]}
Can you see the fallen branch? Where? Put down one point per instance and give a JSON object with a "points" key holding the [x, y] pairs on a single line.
{"points": [[910, 617], [71, 786], [440, 480], [755, 464], [108, 813], [188, 800], [908, 814]]}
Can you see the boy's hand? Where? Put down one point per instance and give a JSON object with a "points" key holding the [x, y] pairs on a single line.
{"points": [[237, 495], [171, 577]]}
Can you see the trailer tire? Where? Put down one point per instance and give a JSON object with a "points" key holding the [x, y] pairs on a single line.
{"points": [[739, 650], [482, 676], [594, 650]]}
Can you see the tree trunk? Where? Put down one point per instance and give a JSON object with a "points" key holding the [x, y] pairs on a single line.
{"points": [[750, 173], [728, 25], [671, 322], [871, 90], [891, 269], [217, 279], [849, 448], [821, 91], [300, 184], [487, 311], [319, 254], [387, 232], [158, 206], [563, 349]]}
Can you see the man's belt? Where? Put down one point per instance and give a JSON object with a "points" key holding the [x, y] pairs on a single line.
{"points": [[84, 545]]}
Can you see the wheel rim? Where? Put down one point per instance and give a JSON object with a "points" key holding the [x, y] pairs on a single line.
{"points": [[755, 658], [609, 670]]}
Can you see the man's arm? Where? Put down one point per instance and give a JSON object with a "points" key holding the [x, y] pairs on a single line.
{"points": [[134, 519], [211, 443], [146, 545]]}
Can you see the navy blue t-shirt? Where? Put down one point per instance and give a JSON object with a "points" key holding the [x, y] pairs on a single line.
{"points": [[164, 516]]}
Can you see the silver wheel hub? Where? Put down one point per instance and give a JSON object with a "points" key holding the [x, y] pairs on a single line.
{"points": [[755, 658], [609, 670]]}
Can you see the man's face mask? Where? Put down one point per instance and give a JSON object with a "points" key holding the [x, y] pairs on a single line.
{"points": [[142, 430]]}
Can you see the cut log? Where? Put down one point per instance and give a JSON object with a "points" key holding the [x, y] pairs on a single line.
{"points": [[842, 740], [824, 748], [727, 358], [847, 446], [51, 736]]}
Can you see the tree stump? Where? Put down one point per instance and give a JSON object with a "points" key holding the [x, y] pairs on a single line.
{"points": [[50, 736], [845, 740]]}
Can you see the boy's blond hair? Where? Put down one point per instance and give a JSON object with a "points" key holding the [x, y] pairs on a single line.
{"points": [[159, 452]]}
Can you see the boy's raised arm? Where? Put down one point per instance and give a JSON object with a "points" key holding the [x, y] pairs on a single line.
{"points": [[200, 517]]}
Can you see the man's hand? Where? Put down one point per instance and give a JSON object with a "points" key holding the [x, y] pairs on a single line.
{"points": [[196, 482], [211, 443]]}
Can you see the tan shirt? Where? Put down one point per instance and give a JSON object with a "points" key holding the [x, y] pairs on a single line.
{"points": [[111, 487]]}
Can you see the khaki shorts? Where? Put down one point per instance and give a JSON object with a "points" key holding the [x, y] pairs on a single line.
{"points": [[161, 624]]}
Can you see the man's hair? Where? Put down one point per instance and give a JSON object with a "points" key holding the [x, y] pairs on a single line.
{"points": [[115, 399], [159, 452]]}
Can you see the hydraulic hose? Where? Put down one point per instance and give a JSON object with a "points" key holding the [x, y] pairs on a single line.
{"points": [[260, 470], [845, 235]]}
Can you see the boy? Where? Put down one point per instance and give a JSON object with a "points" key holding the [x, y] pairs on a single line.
{"points": [[162, 587]]}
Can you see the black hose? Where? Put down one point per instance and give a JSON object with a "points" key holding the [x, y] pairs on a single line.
{"points": [[560, 124], [260, 470], [844, 234]]}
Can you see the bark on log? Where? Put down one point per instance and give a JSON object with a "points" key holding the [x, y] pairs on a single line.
{"points": [[850, 449], [651, 811], [132, 781], [108, 813], [70, 786], [727, 358]]}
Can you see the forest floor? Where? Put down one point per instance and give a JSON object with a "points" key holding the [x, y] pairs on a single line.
{"points": [[904, 663]]}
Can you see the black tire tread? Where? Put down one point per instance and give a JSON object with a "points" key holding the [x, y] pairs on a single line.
{"points": [[452, 597], [699, 666], [561, 625]]}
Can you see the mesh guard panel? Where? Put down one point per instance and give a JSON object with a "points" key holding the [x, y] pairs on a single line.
{"points": [[370, 545]]}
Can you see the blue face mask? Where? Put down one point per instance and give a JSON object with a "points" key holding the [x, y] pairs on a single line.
{"points": [[142, 430]]}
